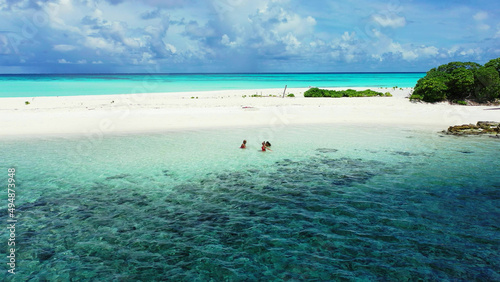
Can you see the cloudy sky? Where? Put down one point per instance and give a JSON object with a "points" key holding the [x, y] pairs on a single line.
{"points": [[176, 36]]}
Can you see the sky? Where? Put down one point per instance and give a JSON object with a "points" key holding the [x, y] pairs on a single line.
{"points": [[245, 36]]}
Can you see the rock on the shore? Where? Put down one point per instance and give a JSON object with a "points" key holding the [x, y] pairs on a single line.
{"points": [[482, 127]]}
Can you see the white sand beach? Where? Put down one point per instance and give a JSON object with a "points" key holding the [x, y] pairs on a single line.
{"points": [[157, 112]]}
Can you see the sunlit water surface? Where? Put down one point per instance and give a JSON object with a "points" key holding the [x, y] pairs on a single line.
{"points": [[36, 85], [328, 203]]}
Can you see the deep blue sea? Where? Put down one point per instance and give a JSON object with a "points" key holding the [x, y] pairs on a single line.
{"points": [[329, 203], [34, 85]]}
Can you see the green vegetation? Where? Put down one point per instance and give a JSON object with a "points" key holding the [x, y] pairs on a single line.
{"points": [[316, 92], [290, 95], [260, 95], [27, 103], [416, 97], [460, 81]]}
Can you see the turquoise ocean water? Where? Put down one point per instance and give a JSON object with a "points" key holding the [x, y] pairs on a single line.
{"points": [[328, 203], [103, 84]]}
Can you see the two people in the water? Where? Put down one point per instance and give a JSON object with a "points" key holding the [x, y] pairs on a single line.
{"points": [[265, 145]]}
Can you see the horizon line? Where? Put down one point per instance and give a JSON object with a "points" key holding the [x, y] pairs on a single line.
{"points": [[207, 73]]}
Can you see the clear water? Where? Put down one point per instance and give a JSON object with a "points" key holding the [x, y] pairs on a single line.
{"points": [[328, 203], [105, 84]]}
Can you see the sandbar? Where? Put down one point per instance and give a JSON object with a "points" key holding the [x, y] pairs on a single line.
{"points": [[159, 112]]}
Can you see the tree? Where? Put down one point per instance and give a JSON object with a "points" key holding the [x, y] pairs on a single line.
{"points": [[457, 81], [431, 89], [460, 84], [487, 84], [494, 63], [450, 67]]}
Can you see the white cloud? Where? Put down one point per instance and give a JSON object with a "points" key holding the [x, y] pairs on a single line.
{"points": [[382, 47], [318, 43], [64, 47], [349, 57], [167, 32], [171, 48], [480, 16], [348, 37], [104, 44], [226, 41], [133, 42], [194, 30], [429, 50], [335, 54], [377, 33], [407, 54], [393, 21], [291, 42], [483, 27], [467, 52], [411, 53], [5, 47], [294, 23], [277, 30], [146, 58], [453, 50]]}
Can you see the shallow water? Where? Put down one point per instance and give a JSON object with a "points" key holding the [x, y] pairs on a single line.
{"points": [[105, 84], [328, 203]]}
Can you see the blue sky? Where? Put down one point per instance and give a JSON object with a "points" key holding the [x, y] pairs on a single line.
{"points": [[150, 36]]}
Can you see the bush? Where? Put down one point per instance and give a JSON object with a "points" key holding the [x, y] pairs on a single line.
{"points": [[313, 92], [387, 94], [316, 92], [290, 95], [27, 103], [415, 97], [461, 102]]}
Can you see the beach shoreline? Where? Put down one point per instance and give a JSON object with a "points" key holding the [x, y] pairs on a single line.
{"points": [[160, 112]]}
